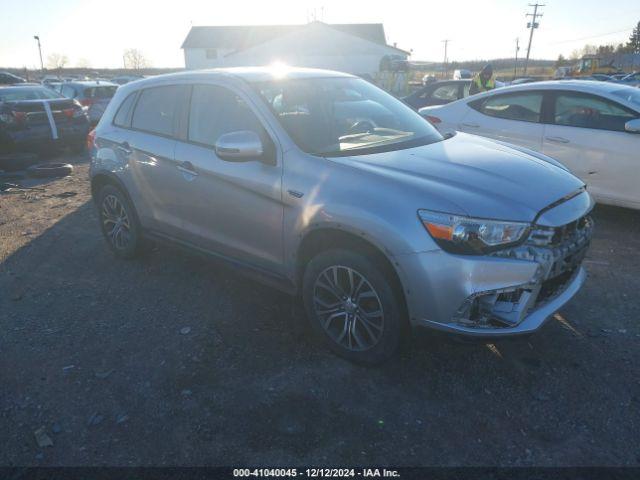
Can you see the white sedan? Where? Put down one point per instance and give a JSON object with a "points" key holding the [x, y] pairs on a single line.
{"points": [[593, 128]]}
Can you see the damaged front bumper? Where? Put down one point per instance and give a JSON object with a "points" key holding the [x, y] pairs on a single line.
{"points": [[511, 291]]}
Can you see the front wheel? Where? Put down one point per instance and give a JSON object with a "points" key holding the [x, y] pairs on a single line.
{"points": [[352, 306]]}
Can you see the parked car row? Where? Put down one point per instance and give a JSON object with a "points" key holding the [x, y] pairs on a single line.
{"points": [[593, 128]]}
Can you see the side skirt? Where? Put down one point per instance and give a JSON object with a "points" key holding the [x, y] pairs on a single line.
{"points": [[259, 274]]}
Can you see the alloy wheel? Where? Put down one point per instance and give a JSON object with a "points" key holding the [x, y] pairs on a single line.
{"points": [[348, 307], [116, 222]]}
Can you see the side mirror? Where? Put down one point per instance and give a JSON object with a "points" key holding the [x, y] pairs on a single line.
{"points": [[240, 146], [633, 126]]}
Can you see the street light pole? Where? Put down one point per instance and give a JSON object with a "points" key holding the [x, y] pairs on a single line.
{"points": [[36, 37]]}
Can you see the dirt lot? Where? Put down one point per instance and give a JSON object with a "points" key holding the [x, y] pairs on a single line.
{"points": [[170, 360]]}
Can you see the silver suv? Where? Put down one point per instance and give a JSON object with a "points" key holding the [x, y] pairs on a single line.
{"points": [[326, 186]]}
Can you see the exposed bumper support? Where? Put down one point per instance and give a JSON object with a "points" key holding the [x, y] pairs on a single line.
{"points": [[530, 324]]}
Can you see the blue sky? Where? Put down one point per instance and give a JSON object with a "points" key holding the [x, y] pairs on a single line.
{"points": [[99, 31]]}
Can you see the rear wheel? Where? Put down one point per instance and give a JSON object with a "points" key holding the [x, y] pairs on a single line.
{"points": [[352, 307], [118, 222]]}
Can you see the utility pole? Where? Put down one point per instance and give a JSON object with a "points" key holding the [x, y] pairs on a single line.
{"points": [[36, 37], [445, 63], [532, 25], [515, 65]]}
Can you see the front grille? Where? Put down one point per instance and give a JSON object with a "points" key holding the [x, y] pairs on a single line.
{"points": [[555, 236]]}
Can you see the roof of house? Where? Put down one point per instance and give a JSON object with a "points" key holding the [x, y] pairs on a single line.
{"points": [[244, 36]]}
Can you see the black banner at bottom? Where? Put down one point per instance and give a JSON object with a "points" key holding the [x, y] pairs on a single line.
{"points": [[405, 473]]}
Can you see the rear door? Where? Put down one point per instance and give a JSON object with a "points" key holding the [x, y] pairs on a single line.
{"points": [[234, 208], [149, 146], [586, 133], [509, 117]]}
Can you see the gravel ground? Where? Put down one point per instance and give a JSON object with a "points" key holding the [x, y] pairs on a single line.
{"points": [[171, 360]]}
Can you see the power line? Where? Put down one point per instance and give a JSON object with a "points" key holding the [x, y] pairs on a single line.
{"points": [[593, 36], [532, 25]]}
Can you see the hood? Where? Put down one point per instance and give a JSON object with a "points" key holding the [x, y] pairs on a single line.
{"points": [[474, 176]]}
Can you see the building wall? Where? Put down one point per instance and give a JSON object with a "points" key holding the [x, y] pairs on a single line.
{"points": [[316, 47]]}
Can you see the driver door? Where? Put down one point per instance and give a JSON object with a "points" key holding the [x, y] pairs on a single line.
{"points": [[230, 207]]}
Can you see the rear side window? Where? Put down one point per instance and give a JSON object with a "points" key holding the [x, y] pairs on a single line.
{"points": [[123, 117], [588, 111], [100, 92], [446, 92], [156, 109], [216, 111], [524, 107], [68, 91]]}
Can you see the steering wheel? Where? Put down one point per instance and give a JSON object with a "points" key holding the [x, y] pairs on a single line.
{"points": [[361, 126]]}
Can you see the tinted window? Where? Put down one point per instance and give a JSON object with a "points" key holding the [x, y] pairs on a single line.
{"points": [[518, 106], [629, 94], [17, 94], [123, 117], [587, 111], [156, 109], [216, 111], [68, 91], [100, 92], [446, 92]]}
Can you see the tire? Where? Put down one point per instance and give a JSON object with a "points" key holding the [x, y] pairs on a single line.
{"points": [[48, 170], [116, 212], [344, 314], [12, 162]]}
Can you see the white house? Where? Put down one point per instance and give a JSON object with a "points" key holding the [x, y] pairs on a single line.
{"points": [[351, 48]]}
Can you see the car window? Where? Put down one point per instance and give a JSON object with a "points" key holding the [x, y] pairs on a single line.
{"points": [[465, 89], [324, 116], [18, 94], [156, 109], [123, 117], [588, 111], [216, 111], [446, 92], [107, 91], [68, 91], [630, 95], [517, 106]]}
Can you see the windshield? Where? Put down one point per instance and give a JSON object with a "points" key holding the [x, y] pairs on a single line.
{"points": [[631, 95], [27, 93], [344, 116]]}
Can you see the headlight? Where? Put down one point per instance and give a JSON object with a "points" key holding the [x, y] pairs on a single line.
{"points": [[471, 236]]}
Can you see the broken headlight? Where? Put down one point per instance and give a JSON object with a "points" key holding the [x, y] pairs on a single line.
{"points": [[471, 236]]}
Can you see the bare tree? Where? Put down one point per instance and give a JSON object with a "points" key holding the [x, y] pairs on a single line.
{"points": [[135, 59], [83, 63], [57, 61]]}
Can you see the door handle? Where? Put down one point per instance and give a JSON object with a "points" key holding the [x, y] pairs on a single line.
{"points": [[125, 148], [188, 168], [557, 139], [471, 125]]}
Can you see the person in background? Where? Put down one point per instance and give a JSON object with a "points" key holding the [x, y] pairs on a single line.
{"points": [[483, 81]]}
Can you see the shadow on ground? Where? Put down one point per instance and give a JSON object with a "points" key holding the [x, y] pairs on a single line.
{"points": [[174, 360]]}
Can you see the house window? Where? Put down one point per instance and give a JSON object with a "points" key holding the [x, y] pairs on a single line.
{"points": [[211, 53]]}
